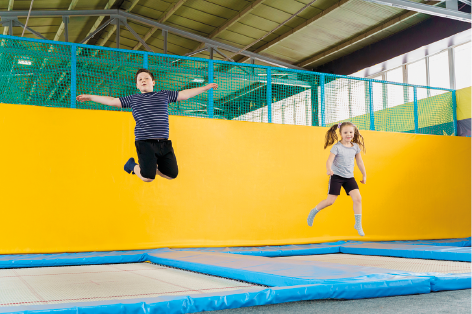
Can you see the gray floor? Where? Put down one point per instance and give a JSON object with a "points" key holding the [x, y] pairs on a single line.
{"points": [[454, 302]]}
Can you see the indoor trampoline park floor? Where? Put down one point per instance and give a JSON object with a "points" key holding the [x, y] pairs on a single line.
{"points": [[205, 279]]}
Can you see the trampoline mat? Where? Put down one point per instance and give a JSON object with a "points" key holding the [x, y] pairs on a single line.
{"points": [[55, 285], [396, 263]]}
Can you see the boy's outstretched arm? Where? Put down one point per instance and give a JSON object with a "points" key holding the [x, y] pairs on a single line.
{"points": [[189, 93], [360, 164], [104, 100]]}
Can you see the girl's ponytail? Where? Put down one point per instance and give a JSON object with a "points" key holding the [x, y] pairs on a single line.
{"points": [[331, 136]]}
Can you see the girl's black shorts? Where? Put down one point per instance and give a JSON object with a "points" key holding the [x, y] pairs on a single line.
{"points": [[156, 154], [336, 182]]}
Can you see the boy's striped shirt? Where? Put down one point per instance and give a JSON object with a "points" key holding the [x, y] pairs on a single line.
{"points": [[150, 111]]}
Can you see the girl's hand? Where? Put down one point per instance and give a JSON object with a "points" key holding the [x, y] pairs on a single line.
{"points": [[212, 85], [330, 172], [83, 98], [364, 179]]}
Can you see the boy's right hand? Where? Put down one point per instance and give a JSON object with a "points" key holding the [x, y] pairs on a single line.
{"points": [[83, 98], [330, 172]]}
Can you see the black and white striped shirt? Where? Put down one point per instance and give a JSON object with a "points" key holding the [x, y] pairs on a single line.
{"points": [[150, 111]]}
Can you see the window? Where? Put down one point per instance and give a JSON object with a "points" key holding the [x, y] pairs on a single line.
{"points": [[377, 94], [395, 92], [417, 76], [462, 64], [439, 72]]}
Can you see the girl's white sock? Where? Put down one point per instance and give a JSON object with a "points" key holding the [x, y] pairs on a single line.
{"points": [[311, 216], [358, 225]]}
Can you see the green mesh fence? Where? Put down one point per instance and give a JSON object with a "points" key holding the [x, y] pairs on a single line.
{"points": [[49, 73]]}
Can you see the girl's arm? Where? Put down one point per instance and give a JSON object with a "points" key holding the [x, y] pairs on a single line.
{"points": [[329, 163], [104, 100], [360, 164], [189, 93]]}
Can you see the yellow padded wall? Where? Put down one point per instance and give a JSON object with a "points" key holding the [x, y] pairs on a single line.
{"points": [[63, 186], [463, 103]]}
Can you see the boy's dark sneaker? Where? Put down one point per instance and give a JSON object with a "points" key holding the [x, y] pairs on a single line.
{"points": [[129, 166]]}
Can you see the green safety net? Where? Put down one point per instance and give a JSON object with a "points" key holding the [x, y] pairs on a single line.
{"points": [[47, 73]]}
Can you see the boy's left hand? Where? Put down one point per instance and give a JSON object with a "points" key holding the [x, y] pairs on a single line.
{"points": [[212, 85], [364, 179]]}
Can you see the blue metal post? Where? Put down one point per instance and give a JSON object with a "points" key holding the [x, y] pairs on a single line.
{"points": [[415, 108], [371, 107], [73, 75], [145, 61], [454, 111], [322, 99], [210, 92], [269, 95]]}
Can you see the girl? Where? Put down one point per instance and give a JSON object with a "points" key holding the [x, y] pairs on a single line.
{"points": [[340, 168]]}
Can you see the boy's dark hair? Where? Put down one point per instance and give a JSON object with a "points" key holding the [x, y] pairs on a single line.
{"points": [[141, 71]]}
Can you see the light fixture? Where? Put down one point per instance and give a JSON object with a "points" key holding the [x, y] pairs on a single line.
{"points": [[26, 62], [198, 80]]}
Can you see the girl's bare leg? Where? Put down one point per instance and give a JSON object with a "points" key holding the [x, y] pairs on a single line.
{"points": [[323, 204], [357, 201]]}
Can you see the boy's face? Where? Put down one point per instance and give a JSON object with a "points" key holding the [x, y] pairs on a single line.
{"points": [[145, 83]]}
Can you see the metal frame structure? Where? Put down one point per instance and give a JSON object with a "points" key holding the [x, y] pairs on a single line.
{"points": [[121, 15], [448, 12]]}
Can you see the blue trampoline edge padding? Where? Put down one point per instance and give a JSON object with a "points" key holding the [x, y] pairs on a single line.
{"points": [[232, 299], [293, 280], [73, 259], [276, 251], [274, 272], [445, 253], [444, 282]]}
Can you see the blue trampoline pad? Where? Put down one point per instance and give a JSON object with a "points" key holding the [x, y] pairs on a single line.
{"points": [[464, 242], [283, 272], [328, 248], [228, 300], [446, 253], [275, 251], [70, 259]]}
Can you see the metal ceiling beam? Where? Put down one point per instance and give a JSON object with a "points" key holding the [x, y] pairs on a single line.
{"points": [[231, 22], [91, 34], [62, 27], [210, 42], [54, 13], [348, 43], [162, 20], [10, 7], [299, 27], [108, 35], [427, 9], [137, 37], [100, 19], [151, 22], [18, 23], [276, 28]]}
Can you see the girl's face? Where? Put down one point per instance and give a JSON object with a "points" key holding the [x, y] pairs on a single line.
{"points": [[347, 133]]}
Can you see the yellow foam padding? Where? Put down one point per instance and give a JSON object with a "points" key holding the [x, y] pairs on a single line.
{"points": [[63, 186], [463, 103]]}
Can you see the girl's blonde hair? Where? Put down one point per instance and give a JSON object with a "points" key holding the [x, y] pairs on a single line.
{"points": [[331, 136]]}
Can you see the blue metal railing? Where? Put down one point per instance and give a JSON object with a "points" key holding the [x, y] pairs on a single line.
{"points": [[323, 79]]}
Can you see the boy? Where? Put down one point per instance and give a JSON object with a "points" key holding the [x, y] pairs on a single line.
{"points": [[150, 111]]}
